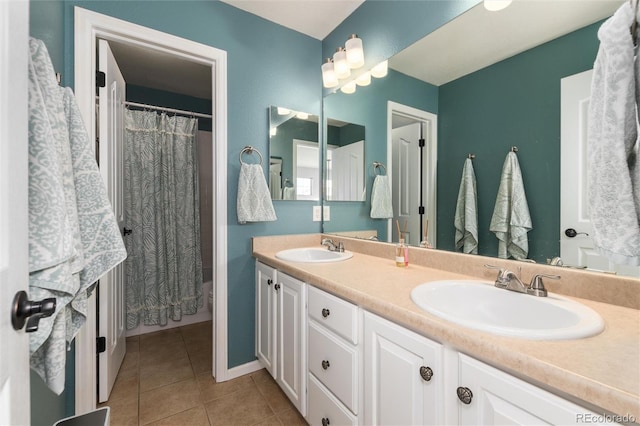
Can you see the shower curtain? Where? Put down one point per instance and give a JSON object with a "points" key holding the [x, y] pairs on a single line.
{"points": [[161, 200]]}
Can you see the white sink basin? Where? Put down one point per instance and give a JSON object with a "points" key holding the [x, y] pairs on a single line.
{"points": [[482, 306], [313, 255]]}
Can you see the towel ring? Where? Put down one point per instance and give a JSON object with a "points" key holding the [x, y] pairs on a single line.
{"points": [[250, 150], [376, 166]]}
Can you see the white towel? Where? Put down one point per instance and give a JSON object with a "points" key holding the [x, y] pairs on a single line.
{"points": [[466, 217], [381, 207], [511, 220], [612, 159], [73, 236], [289, 193], [254, 199]]}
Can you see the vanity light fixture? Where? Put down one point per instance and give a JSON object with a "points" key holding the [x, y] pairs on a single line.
{"points": [[355, 51], [283, 111], [380, 70], [329, 77], [273, 131], [302, 115], [349, 88], [495, 5], [364, 79], [340, 64]]}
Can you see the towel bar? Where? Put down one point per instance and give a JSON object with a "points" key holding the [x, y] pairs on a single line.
{"points": [[250, 150], [376, 165]]}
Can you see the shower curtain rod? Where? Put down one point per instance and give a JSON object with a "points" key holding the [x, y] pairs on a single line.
{"points": [[176, 111]]}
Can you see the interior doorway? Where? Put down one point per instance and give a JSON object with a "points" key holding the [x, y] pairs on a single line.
{"points": [[89, 28], [412, 156]]}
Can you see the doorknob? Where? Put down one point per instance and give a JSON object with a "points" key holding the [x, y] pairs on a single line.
{"points": [[570, 232], [24, 310]]}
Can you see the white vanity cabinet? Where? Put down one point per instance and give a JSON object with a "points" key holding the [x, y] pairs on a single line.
{"points": [[280, 331], [488, 396], [403, 375], [334, 360]]}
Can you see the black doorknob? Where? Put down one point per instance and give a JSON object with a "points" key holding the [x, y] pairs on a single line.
{"points": [[24, 310], [570, 232]]}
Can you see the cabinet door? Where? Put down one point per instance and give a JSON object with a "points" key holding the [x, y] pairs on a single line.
{"points": [[395, 391], [266, 316], [499, 398], [291, 340]]}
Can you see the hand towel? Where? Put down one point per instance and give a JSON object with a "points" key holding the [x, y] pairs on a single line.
{"points": [[289, 193], [381, 207], [511, 220], [466, 216], [254, 199], [613, 172], [71, 223]]}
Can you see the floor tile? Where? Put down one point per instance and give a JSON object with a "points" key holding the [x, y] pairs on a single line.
{"points": [[168, 400], [239, 408], [201, 361], [271, 421], [272, 393], [124, 388], [123, 412], [211, 390], [163, 373], [291, 417], [196, 416]]}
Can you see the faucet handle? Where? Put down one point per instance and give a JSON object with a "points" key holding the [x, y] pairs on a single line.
{"points": [[503, 275], [536, 287]]}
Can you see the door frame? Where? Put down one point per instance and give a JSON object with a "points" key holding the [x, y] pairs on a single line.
{"points": [[429, 123], [88, 26]]}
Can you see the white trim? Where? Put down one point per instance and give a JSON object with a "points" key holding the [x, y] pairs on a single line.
{"points": [[429, 122], [87, 27], [243, 369]]}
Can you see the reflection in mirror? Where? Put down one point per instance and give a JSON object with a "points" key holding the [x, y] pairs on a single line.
{"points": [[345, 161], [294, 156], [485, 105]]}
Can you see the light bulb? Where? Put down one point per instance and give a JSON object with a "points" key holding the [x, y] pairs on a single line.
{"points": [[273, 131], [340, 64], [364, 79], [302, 115], [349, 88], [283, 111], [355, 51], [380, 70], [329, 78], [495, 5]]}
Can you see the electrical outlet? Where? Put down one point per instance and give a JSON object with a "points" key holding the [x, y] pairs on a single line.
{"points": [[317, 213], [326, 213]]}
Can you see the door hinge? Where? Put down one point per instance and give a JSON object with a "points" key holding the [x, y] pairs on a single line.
{"points": [[421, 210], [101, 344], [421, 143], [101, 79]]}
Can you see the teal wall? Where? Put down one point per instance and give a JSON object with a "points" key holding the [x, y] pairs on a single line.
{"points": [[514, 102], [282, 142], [368, 107]]}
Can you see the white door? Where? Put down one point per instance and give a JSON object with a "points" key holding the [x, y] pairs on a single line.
{"points": [[14, 270], [266, 317], [291, 334], [347, 168], [574, 212], [406, 182], [111, 288], [403, 376]]}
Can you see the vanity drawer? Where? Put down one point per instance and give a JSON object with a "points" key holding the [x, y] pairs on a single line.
{"points": [[324, 406], [334, 313], [333, 362]]}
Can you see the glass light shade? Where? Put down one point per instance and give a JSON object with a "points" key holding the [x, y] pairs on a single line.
{"points": [[495, 5], [380, 70], [349, 88], [302, 115], [283, 111], [273, 131], [329, 78], [364, 79], [355, 52], [340, 64]]}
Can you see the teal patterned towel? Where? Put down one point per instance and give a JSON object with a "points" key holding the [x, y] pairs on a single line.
{"points": [[511, 220], [73, 236], [466, 217]]}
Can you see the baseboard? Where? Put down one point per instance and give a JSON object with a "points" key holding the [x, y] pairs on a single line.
{"points": [[201, 316], [244, 369]]}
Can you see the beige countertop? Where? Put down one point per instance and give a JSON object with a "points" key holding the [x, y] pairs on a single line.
{"points": [[603, 370]]}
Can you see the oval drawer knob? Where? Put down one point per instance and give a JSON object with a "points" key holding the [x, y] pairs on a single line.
{"points": [[325, 421], [326, 312], [465, 395], [325, 364], [426, 373], [269, 281], [277, 287]]}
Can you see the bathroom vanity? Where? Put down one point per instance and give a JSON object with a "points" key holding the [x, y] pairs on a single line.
{"points": [[348, 346]]}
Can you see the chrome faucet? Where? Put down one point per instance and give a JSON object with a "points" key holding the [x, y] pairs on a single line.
{"points": [[509, 280], [332, 246]]}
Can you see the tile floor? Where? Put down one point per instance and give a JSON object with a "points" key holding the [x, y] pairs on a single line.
{"points": [[165, 379]]}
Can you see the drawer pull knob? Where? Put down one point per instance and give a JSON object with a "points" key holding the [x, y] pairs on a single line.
{"points": [[325, 421], [325, 364], [277, 287], [426, 373], [465, 395], [269, 281], [326, 312]]}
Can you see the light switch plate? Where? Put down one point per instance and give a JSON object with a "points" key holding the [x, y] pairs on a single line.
{"points": [[326, 214], [317, 213]]}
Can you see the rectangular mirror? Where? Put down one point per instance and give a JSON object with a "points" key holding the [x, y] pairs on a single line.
{"points": [[344, 177], [294, 155]]}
